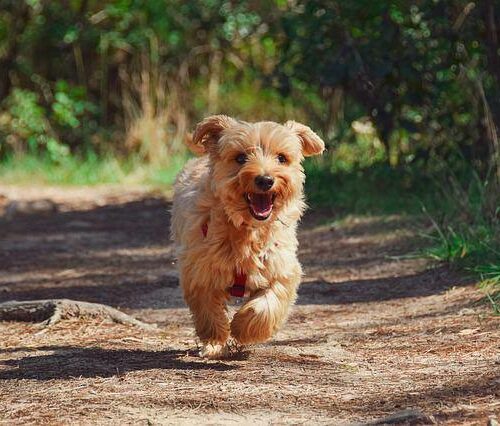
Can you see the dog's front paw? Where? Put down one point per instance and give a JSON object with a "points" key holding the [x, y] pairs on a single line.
{"points": [[249, 327], [214, 351]]}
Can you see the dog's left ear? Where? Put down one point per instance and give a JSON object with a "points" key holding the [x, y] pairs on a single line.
{"points": [[312, 144], [209, 131]]}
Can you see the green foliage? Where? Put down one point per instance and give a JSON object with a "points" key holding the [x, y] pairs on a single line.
{"points": [[25, 120], [27, 117], [70, 105], [421, 71], [423, 74]]}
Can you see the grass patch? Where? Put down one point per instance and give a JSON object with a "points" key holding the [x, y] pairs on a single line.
{"points": [[87, 169], [470, 239], [462, 243], [472, 248], [379, 189], [490, 284]]}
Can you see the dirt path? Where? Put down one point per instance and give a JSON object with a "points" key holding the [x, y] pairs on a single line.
{"points": [[373, 333]]}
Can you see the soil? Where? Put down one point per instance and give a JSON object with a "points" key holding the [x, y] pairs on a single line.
{"points": [[375, 331]]}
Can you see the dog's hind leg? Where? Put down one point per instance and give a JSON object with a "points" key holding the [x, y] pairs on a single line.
{"points": [[263, 314], [210, 320]]}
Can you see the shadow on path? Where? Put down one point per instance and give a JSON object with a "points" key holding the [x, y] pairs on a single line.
{"points": [[61, 240], [71, 362], [422, 284]]}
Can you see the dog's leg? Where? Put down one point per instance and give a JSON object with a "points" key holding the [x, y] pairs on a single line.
{"points": [[210, 320], [263, 314]]}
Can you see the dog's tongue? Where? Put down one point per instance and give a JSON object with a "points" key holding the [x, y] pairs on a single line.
{"points": [[261, 203]]}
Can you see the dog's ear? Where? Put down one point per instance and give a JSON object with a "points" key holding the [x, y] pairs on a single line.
{"points": [[209, 131], [198, 150], [312, 144]]}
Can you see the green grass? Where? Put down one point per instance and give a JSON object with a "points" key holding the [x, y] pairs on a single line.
{"points": [[463, 243], [490, 283], [473, 246], [378, 189], [88, 169]]}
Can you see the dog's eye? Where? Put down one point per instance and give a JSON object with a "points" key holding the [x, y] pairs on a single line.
{"points": [[282, 159], [241, 159]]}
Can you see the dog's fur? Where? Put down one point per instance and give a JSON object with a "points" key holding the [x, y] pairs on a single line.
{"points": [[213, 191]]}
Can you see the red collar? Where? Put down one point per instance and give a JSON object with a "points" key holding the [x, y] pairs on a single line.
{"points": [[240, 278]]}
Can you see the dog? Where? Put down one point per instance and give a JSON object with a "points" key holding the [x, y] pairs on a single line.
{"points": [[234, 222]]}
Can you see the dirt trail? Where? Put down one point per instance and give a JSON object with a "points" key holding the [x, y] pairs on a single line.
{"points": [[373, 332]]}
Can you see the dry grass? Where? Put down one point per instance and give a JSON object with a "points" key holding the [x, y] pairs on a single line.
{"points": [[156, 118]]}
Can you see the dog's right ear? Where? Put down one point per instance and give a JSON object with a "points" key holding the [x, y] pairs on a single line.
{"points": [[208, 132]]}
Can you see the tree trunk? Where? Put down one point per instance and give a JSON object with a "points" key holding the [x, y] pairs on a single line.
{"points": [[20, 14]]}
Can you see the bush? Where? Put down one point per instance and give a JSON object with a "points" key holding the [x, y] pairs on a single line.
{"points": [[24, 127]]}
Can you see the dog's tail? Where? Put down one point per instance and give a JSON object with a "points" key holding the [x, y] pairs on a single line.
{"points": [[196, 149]]}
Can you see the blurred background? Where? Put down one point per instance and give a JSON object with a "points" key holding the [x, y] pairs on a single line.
{"points": [[406, 95]]}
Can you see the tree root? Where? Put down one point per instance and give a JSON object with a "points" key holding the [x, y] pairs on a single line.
{"points": [[51, 311]]}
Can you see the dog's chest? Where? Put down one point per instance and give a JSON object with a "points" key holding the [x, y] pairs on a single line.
{"points": [[265, 264], [261, 257]]}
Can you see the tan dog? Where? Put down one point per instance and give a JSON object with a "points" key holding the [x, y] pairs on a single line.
{"points": [[234, 222]]}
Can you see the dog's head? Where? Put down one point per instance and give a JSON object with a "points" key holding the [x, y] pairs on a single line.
{"points": [[256, 167]]}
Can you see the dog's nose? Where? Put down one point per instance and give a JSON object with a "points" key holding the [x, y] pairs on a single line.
{"points": [[264, 182]]}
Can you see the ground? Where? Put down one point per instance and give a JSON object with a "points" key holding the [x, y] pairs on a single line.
{"points": [[375, 330]]}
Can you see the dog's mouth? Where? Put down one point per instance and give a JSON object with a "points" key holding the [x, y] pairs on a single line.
{"points": [[260, 204]]}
